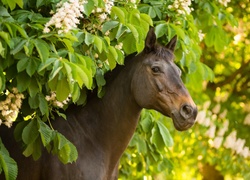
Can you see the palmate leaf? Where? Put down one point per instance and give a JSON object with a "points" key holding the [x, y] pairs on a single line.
{"points": [[46, 133], [65, 150], [7, 164], [166, 136], [42, 49], [37, 133]]}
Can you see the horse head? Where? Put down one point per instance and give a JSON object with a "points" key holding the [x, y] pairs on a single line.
{"points": [[157, 84]]}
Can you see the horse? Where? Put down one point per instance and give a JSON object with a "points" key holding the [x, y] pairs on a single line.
{"points": [[102, 129]]}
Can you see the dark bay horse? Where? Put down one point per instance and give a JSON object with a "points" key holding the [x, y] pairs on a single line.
{"points": [[102, 129]]}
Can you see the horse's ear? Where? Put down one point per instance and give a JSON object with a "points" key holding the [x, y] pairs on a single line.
{"points": [[150, 40], [171, 45]]}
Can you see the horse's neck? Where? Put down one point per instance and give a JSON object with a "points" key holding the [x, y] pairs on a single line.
{"points": [[119, 114], [120, 111]]}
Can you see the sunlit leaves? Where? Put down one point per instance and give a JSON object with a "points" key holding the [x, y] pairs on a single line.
{"points": [[216, 37], [71, 64], [36, 132], [132, 28], [151, 140], [7, 164]]}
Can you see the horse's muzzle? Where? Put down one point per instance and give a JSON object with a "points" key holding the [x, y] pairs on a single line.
{"points": [[185, 118]]}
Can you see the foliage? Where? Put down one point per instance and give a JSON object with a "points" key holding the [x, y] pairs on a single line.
{"points": [[48, 65]]}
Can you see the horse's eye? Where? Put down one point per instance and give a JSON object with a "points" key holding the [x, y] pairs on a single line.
{"points": [[155, 69]]}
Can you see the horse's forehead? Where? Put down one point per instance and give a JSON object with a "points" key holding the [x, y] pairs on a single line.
{"points": [[154, 59]]}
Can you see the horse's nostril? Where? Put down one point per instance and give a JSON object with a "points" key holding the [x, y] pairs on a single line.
{"points": [[186, 111]]}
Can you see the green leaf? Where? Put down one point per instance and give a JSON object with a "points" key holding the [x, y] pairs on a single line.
{"points": [[34, 87], [18, 131], [134, 17], [119, 12], [32, 66], [62, 89], [112, 57], [46, 133], [161, 29], [166, 164], [142, 146], [147, 19], [75, 92], [109, 25], [34, 101], [120, 31], [22, 64], [43, 105], [28, 48], [18, 48], [57, 66], [2, 50], [46, 64], [4, 12], [30, 132], [8, 164], [11, 4], [98, 43], [157, 139], [99, 76], [81, 75], [127, 46], [146, 124], [42, 49], [134, 31], [14, 27], [89, 38], [2, 81], [66, 151], [167, 138], [23, 81], [6, 37], [179, 31], [88, 7], [68, 44], [39, 3]]}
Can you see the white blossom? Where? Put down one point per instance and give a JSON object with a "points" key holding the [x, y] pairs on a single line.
{"points": [[245, 152], [211, 131], [201, 116], [54, 102], [206, 104], [217, 142], [230, 140], [222, 130], [239, 145], [224, 2], [9, 108], [223, 114], [119, 46], [247, 119], [201, 35], [181, 6], [216, 109], [66, 16]]}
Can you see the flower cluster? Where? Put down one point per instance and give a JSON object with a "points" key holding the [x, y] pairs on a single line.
{"points": [[216, 133], [237, 145], [10, 107], [247, 120], [54, 102], [181, 6], [103, 12], [66, 16], [201, 35], [224, 2]]}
